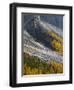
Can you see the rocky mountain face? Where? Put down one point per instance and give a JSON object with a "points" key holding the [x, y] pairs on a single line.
{"points": [[38, 36]]}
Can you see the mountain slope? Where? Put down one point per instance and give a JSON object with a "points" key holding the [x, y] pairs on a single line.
{"points": [[37, 38]]}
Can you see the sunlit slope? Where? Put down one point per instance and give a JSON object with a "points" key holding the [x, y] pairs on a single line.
{"points": [[54, 34], [33, 65]]}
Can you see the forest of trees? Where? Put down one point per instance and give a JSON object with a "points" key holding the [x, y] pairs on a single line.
{"points": [[33, 65], [56, 42]]}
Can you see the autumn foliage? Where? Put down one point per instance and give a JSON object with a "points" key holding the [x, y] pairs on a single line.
{"points": [[33, 65], [56, 42], [58, 47]]}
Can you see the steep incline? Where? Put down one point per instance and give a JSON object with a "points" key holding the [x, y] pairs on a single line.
{"points": [[36, 46]]}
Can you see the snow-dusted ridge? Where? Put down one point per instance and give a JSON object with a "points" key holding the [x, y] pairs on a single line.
{"points": [[35, 48]]}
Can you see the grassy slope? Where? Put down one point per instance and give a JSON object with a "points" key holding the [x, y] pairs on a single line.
{"points": [[33, 65]]}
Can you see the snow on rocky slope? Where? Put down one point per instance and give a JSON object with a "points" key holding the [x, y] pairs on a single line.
{"points": [[36, 48]]}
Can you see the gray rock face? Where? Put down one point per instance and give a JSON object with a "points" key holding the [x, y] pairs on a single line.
{"points": [[36, 42]]}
